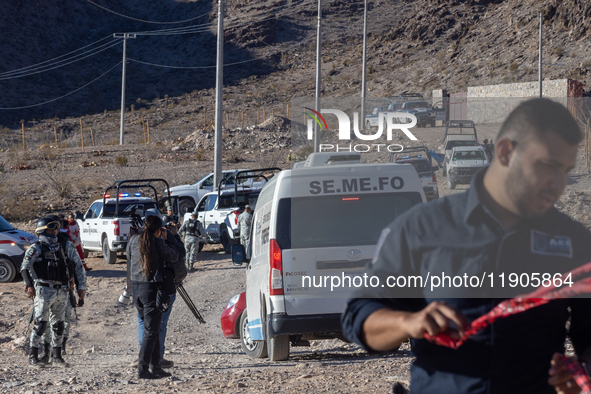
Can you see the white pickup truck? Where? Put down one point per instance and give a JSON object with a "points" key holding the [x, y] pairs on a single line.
{"points": [[190, 195], [106, 224], [101, 229], [218, 211]]}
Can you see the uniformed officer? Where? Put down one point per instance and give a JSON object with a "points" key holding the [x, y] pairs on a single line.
{"points": [[245, 223], [48, 277], [193, 230], [505, 223], [174, 219]]}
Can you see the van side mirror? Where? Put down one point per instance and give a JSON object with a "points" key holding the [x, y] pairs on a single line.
{"points": [[79, 216], [238, 255]]}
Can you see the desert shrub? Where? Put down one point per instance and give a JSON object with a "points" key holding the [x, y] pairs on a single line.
{"points": [[121, 161], [200, 154], [513, 67], [234, 156], [270, 159]]}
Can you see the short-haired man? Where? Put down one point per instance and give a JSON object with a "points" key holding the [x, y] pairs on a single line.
{"points": [[504, 223]]}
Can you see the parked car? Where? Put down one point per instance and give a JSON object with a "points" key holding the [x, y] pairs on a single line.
{"points": [[13, 245]]}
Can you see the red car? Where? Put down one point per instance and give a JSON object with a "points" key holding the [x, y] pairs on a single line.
{"points": [[235, 325], [230, 319]]}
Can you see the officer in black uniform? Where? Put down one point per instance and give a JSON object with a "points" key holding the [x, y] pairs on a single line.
{"points": [[505, 223], [48, 278]]}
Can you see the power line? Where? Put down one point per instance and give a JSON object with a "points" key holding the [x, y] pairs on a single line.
{"points": [[68, 61], [145, 21], [65, 95], [55, 58]]}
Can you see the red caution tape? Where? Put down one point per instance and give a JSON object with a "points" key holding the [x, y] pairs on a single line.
{"points": [[540, 296]]}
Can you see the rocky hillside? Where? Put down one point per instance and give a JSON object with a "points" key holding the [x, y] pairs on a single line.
{"points": [[415, 45]]}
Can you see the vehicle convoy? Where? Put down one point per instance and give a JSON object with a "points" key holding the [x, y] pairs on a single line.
{"points": [[465, 161], [13, 245], [312, 222], [421, 160], [457, 133], [105, 225], [412, 103], [218, 211], [190, 195]]}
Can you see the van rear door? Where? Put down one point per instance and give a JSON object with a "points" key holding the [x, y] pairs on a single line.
{"points": [[328, 236]]}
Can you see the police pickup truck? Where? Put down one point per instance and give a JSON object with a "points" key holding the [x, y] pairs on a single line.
{"points": [[106, 224], [311, 223], [190, 195], [218, 211]]}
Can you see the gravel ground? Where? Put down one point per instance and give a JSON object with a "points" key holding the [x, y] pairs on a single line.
{"points": [[103, 340]]}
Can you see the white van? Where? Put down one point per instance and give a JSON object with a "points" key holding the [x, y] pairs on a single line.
{"points": [[312, 222]]}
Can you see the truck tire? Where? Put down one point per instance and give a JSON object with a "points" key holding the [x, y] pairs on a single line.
{"points": [[85, 253], [278, 348], [200, 246], [226, 240], [443, 172], [7, 270], [109, 255], [186, 205], [432, 123], [255, 349]]}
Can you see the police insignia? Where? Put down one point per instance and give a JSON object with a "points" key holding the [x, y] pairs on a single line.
{"points": [[551, 245]]}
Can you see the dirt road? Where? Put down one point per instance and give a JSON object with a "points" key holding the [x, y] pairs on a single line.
{"points": [[103, 343]]}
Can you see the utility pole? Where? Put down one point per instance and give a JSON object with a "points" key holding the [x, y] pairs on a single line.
{"points": [[364, 67], [125, 36], [318, 75], [540, 61], [219, 86]]}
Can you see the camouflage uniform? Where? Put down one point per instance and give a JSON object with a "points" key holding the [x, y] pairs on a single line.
{"points": [[193, 229], [245, 223], [51, 297]]}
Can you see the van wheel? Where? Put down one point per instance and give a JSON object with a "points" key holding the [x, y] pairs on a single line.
{"points": [[255, 349], [186, 205], [7, 270], [278, 348], [85, 253], [200, 246], [226, 241], [109, 255]]}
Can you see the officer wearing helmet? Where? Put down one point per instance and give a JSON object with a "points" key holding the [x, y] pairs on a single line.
{"points": [[48, 277], [193, 230]]}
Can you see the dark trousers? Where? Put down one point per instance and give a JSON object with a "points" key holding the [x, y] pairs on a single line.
{"points": [[144, 298]]}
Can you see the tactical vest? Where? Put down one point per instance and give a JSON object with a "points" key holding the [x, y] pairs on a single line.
{"points": [[52, 265], [192, 228]]}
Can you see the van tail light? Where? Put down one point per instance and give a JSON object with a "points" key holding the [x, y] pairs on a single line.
{"points": [[116, 223], [236, 214], [276, 277], [434, 179]]}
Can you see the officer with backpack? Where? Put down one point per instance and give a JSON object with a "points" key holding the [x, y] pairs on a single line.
{"points": [[48, 278], [193, 230]]}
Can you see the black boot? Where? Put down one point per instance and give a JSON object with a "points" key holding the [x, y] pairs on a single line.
{"points": [[64, 345], [34, 358], [56, 358], [45, 355]]}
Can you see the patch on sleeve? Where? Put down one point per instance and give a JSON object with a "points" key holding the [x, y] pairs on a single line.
{"points": [[551, 245], [380, 243]]}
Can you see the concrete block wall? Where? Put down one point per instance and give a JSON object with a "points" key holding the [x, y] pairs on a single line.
{"points": [[492, 103]]}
